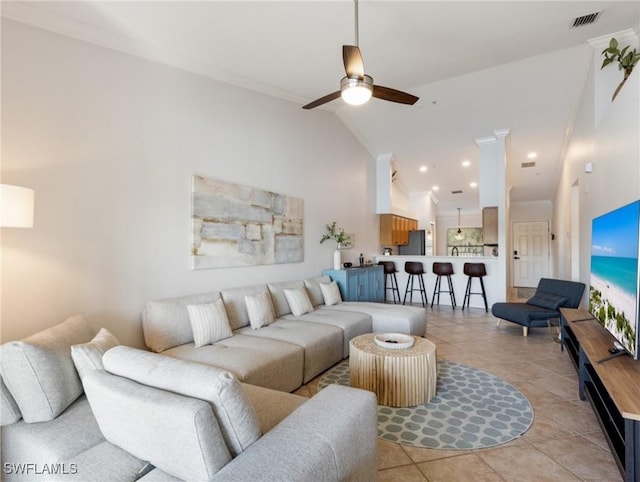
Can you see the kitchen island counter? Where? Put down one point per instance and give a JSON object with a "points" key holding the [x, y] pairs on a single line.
{"points": [[459, 279]]}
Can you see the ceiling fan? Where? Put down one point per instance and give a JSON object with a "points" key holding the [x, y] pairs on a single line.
{"points": [[356, 88]]}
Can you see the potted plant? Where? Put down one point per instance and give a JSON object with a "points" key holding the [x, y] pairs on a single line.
{"points": [[334, 233], [626, 59]]}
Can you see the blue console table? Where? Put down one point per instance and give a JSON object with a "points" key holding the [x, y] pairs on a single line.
{"points": [[359, 284]]}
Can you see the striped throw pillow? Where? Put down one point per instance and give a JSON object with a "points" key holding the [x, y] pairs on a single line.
{"points": [[209, 323], [299, 301], [259, 309]]}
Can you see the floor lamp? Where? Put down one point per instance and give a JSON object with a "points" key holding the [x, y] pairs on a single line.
{"points": [[16, 206]]}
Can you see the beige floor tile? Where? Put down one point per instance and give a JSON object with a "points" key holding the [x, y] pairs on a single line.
{"points": [[418, 454], [526, 463], [573, 453], [463, 468], [597, 438], [409, 473], [536, 393], [570, 416], [391, 455], [544, 428]]}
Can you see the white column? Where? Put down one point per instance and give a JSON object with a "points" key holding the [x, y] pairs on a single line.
{"points": [[492, 191]]}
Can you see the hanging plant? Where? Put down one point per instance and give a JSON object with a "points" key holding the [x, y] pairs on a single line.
{"points": [[626, 59]]}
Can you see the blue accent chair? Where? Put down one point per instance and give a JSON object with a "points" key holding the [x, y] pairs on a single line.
{"points": [[544, 305]]}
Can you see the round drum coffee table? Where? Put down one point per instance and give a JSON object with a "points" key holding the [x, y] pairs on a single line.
{"points": [[399, 377]]}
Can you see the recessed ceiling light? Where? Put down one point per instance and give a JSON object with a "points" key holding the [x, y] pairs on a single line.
{"points": [[473, 184], [466, 163], [435, 188], [532, 155], [423, 168]]}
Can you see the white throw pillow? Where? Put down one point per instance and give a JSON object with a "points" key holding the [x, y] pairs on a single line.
{"points": [[331, 293], [39, 371], [259, 309], [88, 356], [299, 301], [209, 323]]}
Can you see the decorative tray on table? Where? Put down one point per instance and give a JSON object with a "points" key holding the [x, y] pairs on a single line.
{"points": [[394, 341]]}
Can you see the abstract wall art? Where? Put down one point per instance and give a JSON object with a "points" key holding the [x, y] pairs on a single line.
{"points": [[235, 225]]}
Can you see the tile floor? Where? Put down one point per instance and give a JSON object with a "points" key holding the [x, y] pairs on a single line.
{"points": [[564, 443]]}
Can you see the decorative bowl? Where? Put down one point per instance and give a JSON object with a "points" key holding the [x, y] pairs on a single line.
{"points": [[394, 341]]}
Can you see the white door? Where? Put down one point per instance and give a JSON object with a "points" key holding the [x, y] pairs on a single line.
{"points": [[530, 252]]}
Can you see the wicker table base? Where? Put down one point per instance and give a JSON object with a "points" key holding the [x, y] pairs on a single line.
{"points": [[399, 378]]}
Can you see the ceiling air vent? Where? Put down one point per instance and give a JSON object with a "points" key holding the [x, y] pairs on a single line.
{"points": [[585, 20], [456, 192], [528, 164]]}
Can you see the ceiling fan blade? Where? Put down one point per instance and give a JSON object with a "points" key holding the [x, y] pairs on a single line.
{"points": [[393, 95], [322, 100], [353, 64]]}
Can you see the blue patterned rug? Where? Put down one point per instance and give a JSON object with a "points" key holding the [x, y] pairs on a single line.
{"points": [[472, 409]]}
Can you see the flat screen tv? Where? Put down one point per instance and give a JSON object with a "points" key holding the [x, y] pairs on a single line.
{"points": [[614, 285]]}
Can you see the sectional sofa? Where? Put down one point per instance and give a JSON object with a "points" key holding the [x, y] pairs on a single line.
{"points": [[119, 413], [289, 351], [144, 416]]}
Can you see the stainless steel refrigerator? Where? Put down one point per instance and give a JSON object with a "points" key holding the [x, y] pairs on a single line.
{"points": [[416, 245]]}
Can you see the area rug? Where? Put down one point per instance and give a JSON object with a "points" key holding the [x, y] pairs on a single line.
{"points": [[525, 293], [472, 409]]}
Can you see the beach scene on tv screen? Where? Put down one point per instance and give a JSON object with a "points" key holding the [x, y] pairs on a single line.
{"points": [[614, 273]]}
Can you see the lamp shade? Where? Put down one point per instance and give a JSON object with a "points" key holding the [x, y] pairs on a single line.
{"points": [[16, 206]]}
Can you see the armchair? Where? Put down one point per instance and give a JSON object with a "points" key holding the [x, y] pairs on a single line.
{"points": [[550, 296]]}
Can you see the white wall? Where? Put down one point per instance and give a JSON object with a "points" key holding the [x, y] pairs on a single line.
{"points": [[109, 142], [610, 140], [531, 211]]}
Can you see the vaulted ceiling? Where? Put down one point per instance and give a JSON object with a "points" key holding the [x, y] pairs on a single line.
{"points": [[476, 66]]}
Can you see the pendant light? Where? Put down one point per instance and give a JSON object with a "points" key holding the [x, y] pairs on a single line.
{"points": [[459, 236]]}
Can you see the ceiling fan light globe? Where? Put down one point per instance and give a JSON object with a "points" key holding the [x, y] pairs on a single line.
{"points": [[356, 91]]}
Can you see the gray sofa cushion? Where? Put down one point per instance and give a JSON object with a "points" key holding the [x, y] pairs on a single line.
{"points": [[103, 462], [388, 318], [177, 434], [9, 411], [322, 344], [235, 414], [39, 371], [72, 432], [352, 323], [332, 437], [166, 322], [234, 302], [271, 406], [88, 356], [280, 304], [313, 288], [258, 361]]}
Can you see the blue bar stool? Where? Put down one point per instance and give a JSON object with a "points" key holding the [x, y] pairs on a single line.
{"points": [[415, 269], [440, 270], [475, 270], [390, 280]]}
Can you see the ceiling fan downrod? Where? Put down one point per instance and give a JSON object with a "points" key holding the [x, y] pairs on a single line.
{"points": [[357, 44]]}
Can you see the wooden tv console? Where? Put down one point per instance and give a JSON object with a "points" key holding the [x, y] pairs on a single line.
{"points": [[612, 386]]}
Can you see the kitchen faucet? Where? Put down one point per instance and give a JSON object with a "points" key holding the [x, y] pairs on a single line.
{"points": [[454, 251]]}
